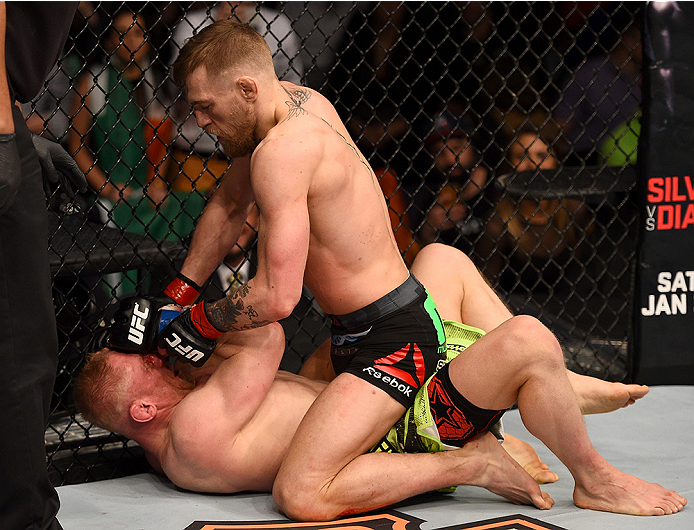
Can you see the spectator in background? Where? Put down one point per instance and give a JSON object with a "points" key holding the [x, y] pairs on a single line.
{"points": [[604, 91], [454, 63], [108, 137], [119, 138], [516, 98], [198, 161], [457, 175], [544, 234]]}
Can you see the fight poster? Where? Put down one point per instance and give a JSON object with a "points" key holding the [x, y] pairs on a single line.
{"points": [[663, 344]]}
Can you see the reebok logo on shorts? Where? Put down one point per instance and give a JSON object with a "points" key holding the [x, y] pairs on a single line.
{"points": [[387, 364], [401, 377]]}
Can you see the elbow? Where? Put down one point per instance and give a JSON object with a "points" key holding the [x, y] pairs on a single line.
{"points": [[282, 303], [282, 309], [275, 338]]}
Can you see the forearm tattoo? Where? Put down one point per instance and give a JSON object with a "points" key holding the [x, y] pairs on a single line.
{"points": [[231, 313]]}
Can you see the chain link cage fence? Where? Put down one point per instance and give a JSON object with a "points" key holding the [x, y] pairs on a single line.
{"points": [[506, 129]]}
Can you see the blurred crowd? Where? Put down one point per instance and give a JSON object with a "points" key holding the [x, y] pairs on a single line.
{"points": [[442, 98]]}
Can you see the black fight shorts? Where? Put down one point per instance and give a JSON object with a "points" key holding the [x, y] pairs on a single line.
{"points": [[396, 343]]}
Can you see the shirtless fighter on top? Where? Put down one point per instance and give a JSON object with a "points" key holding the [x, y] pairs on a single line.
{"points": [[226, 426], [323, 223]]}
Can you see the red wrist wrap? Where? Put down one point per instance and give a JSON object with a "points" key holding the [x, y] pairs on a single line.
{"points": [[202, 323], [181, 292]]}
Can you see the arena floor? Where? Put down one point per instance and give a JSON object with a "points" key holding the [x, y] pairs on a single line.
{"points": [[651, 439]]}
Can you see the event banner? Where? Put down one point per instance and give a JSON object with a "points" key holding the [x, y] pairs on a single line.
{"points": [[663, 344]]}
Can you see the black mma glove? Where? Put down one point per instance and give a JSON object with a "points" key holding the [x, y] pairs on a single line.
{"points": [[58, 167], [190, 336], [10, 170], [98, 340], [135, 326]]}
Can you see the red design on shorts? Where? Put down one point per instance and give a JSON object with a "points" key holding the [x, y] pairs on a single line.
{"points": [[451, 423], [400, 355]]}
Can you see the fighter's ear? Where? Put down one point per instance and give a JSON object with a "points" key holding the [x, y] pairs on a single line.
{"points": [[141, 411], [249, 87]]}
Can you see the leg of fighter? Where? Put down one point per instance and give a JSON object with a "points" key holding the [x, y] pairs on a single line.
{"points": [[594, 396], [326, 475], [459, 290], [462, 294], [597, 396], [521, 361], [527, 457]]}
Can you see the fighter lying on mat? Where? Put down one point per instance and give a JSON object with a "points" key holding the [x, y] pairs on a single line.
{"points": [[213, 431]]}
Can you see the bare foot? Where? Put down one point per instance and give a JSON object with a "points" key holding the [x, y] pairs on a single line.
{"points": [[596, 396], [525, 455], [617, 492], [502, 475]]}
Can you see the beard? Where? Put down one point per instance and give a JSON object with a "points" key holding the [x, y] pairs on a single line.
{"points": [[238, 147], [239, 141]]}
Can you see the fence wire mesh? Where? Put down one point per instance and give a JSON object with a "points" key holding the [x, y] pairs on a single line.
{"points": [[508, 130]]}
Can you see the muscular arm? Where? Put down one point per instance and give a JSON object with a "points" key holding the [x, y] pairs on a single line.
{"points": [[281, 178], [228, 345], [214, 427], [221, 223]]}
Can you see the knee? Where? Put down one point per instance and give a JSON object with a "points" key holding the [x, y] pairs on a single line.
{"points": [[298, 504], [442, 253], [532, 338], [438, 256]]}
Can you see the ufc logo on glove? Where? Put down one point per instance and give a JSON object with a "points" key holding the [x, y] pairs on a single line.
{"points": [[189, 352], [136, 333]]}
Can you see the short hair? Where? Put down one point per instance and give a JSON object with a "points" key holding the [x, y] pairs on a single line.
{"points": [[97, 392], [221, 46]]}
